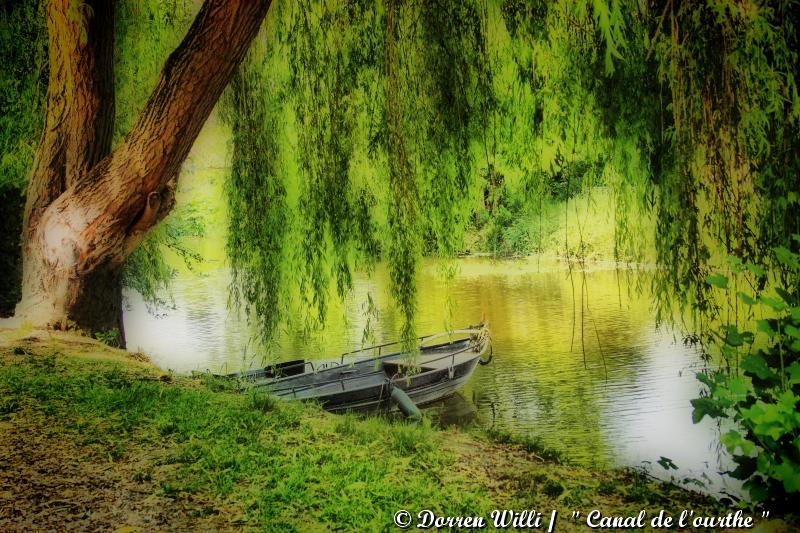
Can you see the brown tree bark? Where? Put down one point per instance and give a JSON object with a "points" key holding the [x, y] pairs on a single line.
{"points": [[78, 128], [88, 209]]}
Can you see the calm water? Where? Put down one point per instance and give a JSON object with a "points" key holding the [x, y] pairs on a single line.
{"points": [[618, 394]]}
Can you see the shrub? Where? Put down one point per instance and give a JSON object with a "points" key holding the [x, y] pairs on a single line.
{"points": [[761, 394]]}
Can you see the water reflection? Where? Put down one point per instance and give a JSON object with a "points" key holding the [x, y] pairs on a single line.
{"points": [[455, 410], [603, 386]]}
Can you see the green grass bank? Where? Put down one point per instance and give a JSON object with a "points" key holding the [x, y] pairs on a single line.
{"points": [[98, 439]]}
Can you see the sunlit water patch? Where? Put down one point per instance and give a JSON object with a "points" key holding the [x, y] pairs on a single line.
{"points": [[603, 385]]}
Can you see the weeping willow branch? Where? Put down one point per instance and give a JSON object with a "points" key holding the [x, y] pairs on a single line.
{"points": [[256, 196], [735, 125], [335, 197], [382, 137], [404, 246]]}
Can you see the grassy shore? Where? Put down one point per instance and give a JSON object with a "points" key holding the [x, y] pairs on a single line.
{"points": [[94, 438]]}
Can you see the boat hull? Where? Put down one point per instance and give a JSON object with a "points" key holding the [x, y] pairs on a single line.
{"points": [[437, 371], [419, 394]]}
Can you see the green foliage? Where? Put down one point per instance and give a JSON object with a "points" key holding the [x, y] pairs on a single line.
{"points": [[256, 193], [110, 337], [479, 116], [331, 82], [23, 93], [758, 387], [348, 158], [301, 216], [23, 88], [147, 270], [565, 120], [666, 463], [731, 70], [438, 96], [147, 31], [355, 150]]}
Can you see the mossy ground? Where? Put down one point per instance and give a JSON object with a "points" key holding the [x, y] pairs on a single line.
{"points": [[94, 438]]}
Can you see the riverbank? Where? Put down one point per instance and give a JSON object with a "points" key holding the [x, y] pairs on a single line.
{"points": [[584, 227], [94, 438]]}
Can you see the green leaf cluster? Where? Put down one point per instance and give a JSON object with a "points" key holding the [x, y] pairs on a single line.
{"points": [[23, 88], [760, 394]]}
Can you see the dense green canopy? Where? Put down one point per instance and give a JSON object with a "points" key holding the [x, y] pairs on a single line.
{"points": [[366, 131]]}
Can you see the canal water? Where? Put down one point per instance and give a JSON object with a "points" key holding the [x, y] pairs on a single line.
{"points": [[604, 386]]}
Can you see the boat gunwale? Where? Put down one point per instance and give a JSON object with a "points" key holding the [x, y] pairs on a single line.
{"points": [[464, 331], [361, 361], [284, 392], [422, 340]]}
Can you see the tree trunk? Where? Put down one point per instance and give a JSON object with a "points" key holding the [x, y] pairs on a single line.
{"points": [[77, 135], [88, 209]]}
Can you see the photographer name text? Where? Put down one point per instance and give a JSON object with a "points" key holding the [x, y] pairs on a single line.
{"points": [[595, 519]]}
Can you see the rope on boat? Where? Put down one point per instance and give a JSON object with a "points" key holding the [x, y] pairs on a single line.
{"points": [[484, 362], [479, 339]]}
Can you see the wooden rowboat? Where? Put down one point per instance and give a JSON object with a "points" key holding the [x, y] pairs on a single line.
{"points": [[381, 377]]}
